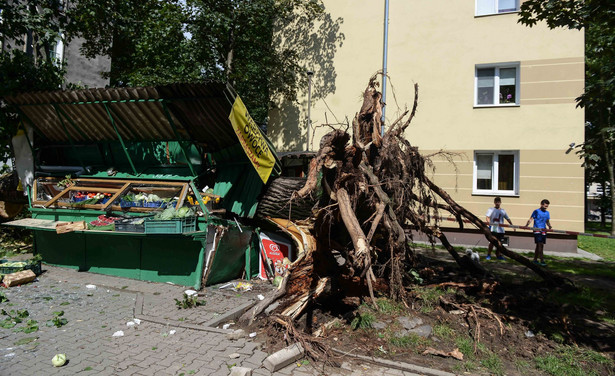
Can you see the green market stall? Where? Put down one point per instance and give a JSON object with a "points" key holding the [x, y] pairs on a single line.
{"points": [[147, 183]]}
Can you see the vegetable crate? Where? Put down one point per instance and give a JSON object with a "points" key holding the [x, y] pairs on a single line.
{"points": [[35, 267], [171, 226], [129, 227]]}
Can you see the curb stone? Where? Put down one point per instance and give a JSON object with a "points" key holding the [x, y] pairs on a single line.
{"points": [[406, 367], [283, 358], [237, 312]]}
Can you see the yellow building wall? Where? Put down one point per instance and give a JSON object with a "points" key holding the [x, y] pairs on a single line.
{"points": [[438, 44]]}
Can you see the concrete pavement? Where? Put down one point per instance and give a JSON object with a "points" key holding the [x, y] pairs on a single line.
{"points": [[164, 340]]}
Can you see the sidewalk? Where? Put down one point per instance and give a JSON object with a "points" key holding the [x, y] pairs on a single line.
{"points": [[167, 341]]}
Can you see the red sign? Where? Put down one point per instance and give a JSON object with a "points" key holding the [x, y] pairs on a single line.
{"points": [[278, 252]]}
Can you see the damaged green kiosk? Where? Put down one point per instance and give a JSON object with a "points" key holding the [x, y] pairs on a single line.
{"points": [[147, 183]]}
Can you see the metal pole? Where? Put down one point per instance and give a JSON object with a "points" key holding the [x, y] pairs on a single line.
{"points": [[384, 61], [309, 119]]}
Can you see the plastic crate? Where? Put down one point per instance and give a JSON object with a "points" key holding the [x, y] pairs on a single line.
{"points": [[35, 267], [129, 227], [171, 226]]}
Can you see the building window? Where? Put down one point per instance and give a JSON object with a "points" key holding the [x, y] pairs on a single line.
{"points": [[486, 7], [496, 85], [496, 172]]}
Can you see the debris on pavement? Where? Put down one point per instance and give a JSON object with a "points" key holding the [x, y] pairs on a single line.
{"points": [[237, 286], [58, 360], [236, 334], [133, 322], [91, 287], [18, 278], [119, 333]]}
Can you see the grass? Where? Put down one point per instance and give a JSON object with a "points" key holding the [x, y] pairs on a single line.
{"points": [[482, 357], [494, 364], [579, 267], [363, 320], [592, 299], [466, 346], [522, 366], [571, 361], [389, 306], [602, 247], [410, 341], [597, 227], [430, 296], [443, 331], [467, 366]]}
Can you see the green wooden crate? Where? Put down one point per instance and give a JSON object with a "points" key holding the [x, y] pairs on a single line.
{"points": [[35, 267], [171, 226]]}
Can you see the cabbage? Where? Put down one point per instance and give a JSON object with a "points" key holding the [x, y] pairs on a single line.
{"points": [[182, 212], [153, 198], [167, 214], [58, 360]]}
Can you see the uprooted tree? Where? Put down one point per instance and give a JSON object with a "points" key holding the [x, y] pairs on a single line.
{"points": [[374, 192]]}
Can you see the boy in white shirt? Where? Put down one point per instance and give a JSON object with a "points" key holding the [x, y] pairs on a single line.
{"points": [[495, 217]]}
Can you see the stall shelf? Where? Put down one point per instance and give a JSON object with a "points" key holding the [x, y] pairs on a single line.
{"points": [[132, 153]]}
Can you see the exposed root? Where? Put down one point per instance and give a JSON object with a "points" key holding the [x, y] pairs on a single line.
{"points": [[314, 347]]}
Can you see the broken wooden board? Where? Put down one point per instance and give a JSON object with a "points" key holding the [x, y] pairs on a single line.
{"points": [[33, 223], [64, 227], [18, 278]]}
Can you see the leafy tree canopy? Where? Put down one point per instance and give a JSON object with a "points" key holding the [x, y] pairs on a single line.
{"points": [[155, 42]]}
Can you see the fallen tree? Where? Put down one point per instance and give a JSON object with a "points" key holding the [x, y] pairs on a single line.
{"points": [[373, 192]]}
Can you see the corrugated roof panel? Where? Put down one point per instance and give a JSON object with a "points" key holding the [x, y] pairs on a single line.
{"points": [[198, 111]]}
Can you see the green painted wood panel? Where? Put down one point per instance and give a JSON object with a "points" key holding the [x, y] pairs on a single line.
{"points": [[67, 250], [113, 255], [170, 258]]}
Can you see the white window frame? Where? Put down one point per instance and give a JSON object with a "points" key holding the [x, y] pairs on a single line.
{"points": [[496, 6], [496, 84], [495, 171]]}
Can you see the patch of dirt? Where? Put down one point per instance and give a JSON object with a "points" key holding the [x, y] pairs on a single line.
{"points": [[500, 325]]}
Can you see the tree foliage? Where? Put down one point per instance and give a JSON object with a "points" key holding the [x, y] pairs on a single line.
{"points": [[156, 42], [597, 17], [33, 26]]}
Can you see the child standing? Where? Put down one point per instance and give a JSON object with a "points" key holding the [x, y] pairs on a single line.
{"points": [[541, 219], [495, 217]]}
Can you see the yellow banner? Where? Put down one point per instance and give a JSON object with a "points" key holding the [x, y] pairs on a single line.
{"points": [[252, 140]]}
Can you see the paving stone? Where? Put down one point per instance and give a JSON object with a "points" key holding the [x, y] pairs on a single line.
{"points": [[94, 315], [240, 371]]}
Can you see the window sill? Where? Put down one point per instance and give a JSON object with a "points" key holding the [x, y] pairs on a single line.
{"points": [[495, 14], [495, 193], [496, 105]]}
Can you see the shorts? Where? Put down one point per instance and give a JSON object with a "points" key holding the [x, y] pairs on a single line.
{"points": [[498, 235], [540, 237]]}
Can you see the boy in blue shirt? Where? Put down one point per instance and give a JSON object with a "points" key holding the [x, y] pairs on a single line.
{"points": [[541, 219]]}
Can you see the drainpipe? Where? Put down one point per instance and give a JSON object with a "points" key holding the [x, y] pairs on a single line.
{"points": [[309, 119], [384, 61]]}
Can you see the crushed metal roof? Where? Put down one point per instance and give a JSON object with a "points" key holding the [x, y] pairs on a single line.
{"points": [[178, 112], [296, 154]]}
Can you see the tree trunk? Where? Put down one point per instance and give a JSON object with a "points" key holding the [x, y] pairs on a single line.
{"points": [[609, 158], [278, 200]]}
